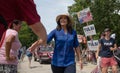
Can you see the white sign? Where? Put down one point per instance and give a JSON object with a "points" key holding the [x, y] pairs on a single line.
{"points": [[89, 30], [84, 15], [92, 45]]}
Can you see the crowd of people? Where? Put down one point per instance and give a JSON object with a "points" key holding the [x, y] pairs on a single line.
{"points": [[66, 42]]}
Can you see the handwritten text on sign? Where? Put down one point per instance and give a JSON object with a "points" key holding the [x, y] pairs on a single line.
{"points": [[92, 45], [89, 30]]}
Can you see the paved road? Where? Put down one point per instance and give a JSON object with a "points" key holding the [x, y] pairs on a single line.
{"points": [[45, 68]]}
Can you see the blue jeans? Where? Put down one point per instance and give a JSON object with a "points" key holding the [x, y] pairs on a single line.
{"points": [[68, 69]]}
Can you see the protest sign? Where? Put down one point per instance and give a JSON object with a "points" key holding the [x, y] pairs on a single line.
{"points": [[89, 30], [84, 15], [92, 45]]}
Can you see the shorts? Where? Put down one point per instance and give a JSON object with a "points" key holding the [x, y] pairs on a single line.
{"points": [[106, 62], [28, 53]]}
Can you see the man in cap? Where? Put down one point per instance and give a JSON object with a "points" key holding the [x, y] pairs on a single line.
{"points": [[107, 45]]}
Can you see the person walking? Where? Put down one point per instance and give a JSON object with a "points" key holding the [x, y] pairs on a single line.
{"points": [[9, 47], [29, 55], [23, 53], [66, 44], [107, 45]]}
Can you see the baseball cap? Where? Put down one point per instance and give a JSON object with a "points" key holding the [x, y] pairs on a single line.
{"points": [[107, 29]]}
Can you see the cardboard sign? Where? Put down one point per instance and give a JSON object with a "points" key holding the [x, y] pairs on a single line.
{"points": [[89, 30], [92, 45], [84, 15]]}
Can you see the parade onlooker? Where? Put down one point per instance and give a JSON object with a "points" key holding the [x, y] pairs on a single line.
{"points": [[23, 50], [19, 53], [102, 35], [66, 41], [107, 45], [24, 10], [9, 48], [29, 55]]}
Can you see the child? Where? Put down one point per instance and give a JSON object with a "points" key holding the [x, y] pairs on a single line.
{"points": [[29, 54]]}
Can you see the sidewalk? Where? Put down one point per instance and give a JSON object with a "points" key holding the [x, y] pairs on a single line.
{"points": [[46, 68]]}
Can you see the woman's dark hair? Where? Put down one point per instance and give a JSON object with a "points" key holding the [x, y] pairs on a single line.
{"points": [[16, 22], [69, 25]]}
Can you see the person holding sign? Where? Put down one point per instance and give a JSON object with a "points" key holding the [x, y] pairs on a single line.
{"points": [[66, 43], [107, 45]]}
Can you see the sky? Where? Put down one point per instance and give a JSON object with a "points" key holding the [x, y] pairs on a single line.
{"points": [[49, 9]]}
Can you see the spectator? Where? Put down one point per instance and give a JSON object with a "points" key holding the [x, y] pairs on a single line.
{"points": [[23, 53], [9, 48], [107, 46], [29, 55]]}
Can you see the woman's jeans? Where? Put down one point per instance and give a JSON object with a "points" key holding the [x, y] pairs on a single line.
{"points": [[68, 69]]}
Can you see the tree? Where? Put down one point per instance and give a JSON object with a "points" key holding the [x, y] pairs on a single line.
{"points": [[27, 37], [105, 14], [76, 7]]}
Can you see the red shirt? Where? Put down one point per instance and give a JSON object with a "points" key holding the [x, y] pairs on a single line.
{"points": [[18, 9]]}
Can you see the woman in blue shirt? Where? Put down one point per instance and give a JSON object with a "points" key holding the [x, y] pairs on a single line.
{"points": [[66, 43]]}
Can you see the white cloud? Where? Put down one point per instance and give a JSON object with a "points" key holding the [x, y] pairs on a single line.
{"points": [[49, 9]]}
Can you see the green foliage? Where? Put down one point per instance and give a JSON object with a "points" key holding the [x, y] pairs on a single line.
{"points": [[79, 5], [26, 36], [105, 14]]}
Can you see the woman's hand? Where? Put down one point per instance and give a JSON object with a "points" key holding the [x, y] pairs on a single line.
{"points": [[111, 48]]}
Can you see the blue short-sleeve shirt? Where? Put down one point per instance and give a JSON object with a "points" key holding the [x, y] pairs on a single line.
{"points": [[64, 47]]}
